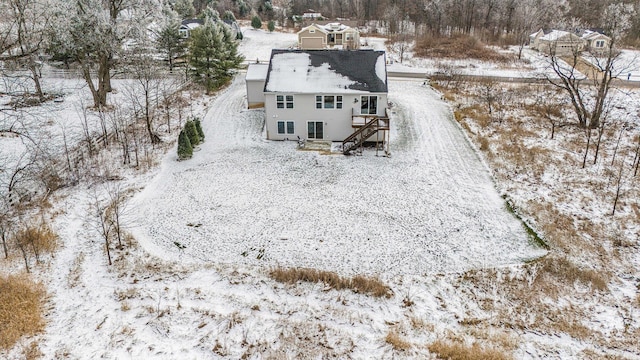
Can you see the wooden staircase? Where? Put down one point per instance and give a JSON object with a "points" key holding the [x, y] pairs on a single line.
{"points": [[366, 131]]}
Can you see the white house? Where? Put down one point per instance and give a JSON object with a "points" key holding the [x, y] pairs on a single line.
{"points": [[189, 25], [331, 35], [326, 95], [595, 41], [557, 42], [311, 15]]}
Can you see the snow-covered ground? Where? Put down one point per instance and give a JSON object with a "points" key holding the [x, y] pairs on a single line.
{"points": [[243, 205], [431, 207], [241, 193], [257, 44]]}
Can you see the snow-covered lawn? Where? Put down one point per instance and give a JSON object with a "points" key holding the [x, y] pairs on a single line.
{"points": [[257, 44], [431, 207]]}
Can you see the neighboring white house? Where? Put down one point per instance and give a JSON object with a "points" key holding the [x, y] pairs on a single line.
{"points": [[189, 25], [311, 15], [326, 95], [331, 35], [556, 42], [595, 41], [566, 43]]}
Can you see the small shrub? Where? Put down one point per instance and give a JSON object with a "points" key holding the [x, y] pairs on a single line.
{"points": [[21, 306], [458, 351], [256, 23], [185, 151], [199, 129], [484, 144], [271, 25], [396, 342], [192, 132], [39, 238]]}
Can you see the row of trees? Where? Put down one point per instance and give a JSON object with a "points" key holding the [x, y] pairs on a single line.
{"points": [[105, 37], [492, 17]]}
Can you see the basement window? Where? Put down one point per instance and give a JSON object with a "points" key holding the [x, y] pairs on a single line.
{"points": [[286, 127]]}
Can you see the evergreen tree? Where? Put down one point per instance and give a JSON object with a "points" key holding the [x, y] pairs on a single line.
{"points": [[256, 23], [192, 133], [271, 25], [199, 129], [243, 8], [184, 8], [228, 16], [213, 54], [170, 43], [185, 150]]}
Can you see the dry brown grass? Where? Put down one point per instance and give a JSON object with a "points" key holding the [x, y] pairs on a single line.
{"points": [[396, 341], [458, 351], [40, 237], [359, 284], [484, 143], [459, 46], [32, 351], [564, 271], [21, 307]]}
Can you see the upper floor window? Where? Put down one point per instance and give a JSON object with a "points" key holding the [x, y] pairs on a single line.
{"points": [[284, 101], [599, 43], [328, 101], [368, 105]]}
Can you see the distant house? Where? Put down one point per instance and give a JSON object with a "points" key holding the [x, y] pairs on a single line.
{"points": [[325, 95], [596, 41], [188, 25], [331, 35], [556, 42], [311, 15]]}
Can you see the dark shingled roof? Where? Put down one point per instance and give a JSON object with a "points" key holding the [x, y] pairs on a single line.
{"points": [[357, 65]]}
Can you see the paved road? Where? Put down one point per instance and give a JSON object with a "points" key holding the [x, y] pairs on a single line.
{"points": [[469, 77]]}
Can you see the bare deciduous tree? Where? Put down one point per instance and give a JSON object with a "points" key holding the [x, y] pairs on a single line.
{"points": [[589, 96], [102, 223]]}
